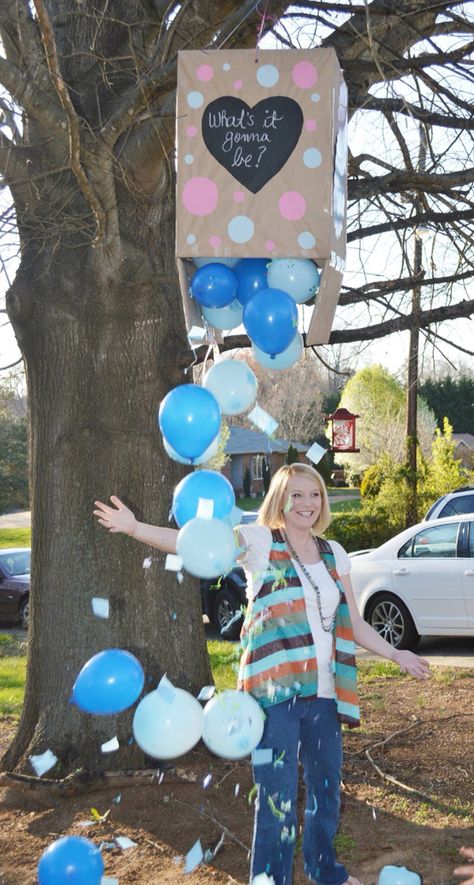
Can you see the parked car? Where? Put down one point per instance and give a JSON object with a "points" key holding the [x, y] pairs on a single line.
{"points": [[453, 504], [420, 583], [15, 585], [224, 597]]}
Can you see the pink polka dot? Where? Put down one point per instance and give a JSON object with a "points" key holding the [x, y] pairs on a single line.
{"points": [[269, 245], [292, 205], [205, 73], [191, 131], [200, 196], [238, 196], [310, 125], [238, 84], [215, 242], [304, 74]]}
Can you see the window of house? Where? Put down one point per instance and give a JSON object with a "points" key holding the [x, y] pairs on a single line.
{"points": [[257, 467]]}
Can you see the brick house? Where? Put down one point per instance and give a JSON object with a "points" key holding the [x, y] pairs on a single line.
{"points": [[248, 448], [464, 449]]}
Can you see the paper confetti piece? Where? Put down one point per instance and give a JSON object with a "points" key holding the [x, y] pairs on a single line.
{"points": [[315, 453], [238, 615], [194, 857], [205, 508], [100, 607], [207, 780], [236, 790], [262, 420], [124, 842], [262, 756], [196, 333], [147, 562], [206, 693], [173, 563], [107, 880], [110, 746], [42, 763], [263, 879]]}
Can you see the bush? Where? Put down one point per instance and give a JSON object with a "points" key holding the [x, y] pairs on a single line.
{"points": [[357, 531], [247, 482]]}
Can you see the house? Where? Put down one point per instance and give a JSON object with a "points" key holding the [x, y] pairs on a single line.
{"points": [[247, 449], [464, 449]]}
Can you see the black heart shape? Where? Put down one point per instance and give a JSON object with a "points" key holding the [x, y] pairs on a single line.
{"points": [[253, 144]]}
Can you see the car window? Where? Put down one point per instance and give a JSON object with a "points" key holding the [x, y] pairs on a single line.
{"points": [[15, 563], [462, 504], [439, 541]]}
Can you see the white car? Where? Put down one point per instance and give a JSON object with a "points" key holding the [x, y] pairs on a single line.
{"points": [[420, 583], [455, 503]]}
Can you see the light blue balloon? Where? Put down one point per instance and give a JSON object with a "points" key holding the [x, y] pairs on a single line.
{"points": [[203, 459], [207, 484], [233, 724], [391, 875], [71, 860], [189, 418], [224, 318], [167, 725], [282, 360], [229, 262], [297, 276], [233, 384], [207, 547], [110, 682], [271, 320]]}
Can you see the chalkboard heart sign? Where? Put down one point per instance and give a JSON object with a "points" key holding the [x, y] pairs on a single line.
{"points": [[252, 143]]}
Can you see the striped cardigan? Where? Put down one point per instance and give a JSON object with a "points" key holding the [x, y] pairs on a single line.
{"points": [[279, 657]]}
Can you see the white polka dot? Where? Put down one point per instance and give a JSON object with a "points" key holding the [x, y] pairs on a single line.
{"points": [[194, 99], [268, 75], [240, 229], [226, 66], [312, 158], [315, 96], [190, 239], [189, 159], [306, 240]]}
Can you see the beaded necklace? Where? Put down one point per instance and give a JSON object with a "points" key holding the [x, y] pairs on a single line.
{"points": [[327, 622]]}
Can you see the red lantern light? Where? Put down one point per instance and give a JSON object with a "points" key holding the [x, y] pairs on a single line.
{"points": [[343, 431]]}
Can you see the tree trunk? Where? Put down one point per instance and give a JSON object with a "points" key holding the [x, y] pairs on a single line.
{"points": [[101, 350]]}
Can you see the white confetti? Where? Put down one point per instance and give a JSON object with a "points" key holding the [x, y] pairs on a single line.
{"points": [[207, 780], [236, 790], [196, 333], [100, 607], [315, 453], [124, 842], [173, 563], [262, 420], [263, 879], [263, 756], [194, 857], [205, 508], [110, 746], [147, 562], [107, 880], [42, 763]]}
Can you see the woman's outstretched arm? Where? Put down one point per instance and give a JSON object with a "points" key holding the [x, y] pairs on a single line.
{"points": [[120, 519]]}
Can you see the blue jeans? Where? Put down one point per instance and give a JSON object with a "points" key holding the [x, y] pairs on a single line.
{"points": [[308, 730]]}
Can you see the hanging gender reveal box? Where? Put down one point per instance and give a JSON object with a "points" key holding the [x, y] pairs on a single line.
{"points": [[262, 164]]}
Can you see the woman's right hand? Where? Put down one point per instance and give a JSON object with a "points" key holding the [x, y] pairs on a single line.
{"points": [[117, 518], [466, 872]]}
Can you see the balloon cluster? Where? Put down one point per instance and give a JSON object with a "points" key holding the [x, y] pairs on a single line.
{"points": [[260, 294]]}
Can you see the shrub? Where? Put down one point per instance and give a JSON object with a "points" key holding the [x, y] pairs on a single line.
{"points": [[357, 531], [292, 455], [266, 474], [247, 482]]}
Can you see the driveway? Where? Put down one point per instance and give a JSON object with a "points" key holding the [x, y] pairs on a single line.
{"points": [[16, 520]]}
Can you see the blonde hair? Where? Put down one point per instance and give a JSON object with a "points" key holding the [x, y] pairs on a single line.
{"points": [[271, 512]]}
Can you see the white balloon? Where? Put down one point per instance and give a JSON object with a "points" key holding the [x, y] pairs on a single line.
{"points": [[168, 723], [203, 459], [224, 318], [297, 276], [233, 724], [229, 262], [233, 384], [283, 360], [391, 875], [206, 546]]}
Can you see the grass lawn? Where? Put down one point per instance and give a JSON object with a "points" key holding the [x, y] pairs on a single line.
{"points": [[15, 537], [344, 506]]}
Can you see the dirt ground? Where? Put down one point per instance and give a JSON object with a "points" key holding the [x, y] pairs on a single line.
{"points": [[421, 735]]}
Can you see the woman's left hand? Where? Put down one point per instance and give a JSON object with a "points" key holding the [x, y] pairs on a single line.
{"points": [[411, 663]]}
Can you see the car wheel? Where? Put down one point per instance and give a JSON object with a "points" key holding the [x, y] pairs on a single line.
{"points": [[226, 605], [390, 617], [25, 614]]}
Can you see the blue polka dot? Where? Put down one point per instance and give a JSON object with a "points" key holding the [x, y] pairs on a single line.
{"points": [[189, 159], [240, 229], [312, 158], [190, 239], [306, 240], [268, 75], [226, 66], [315, 96], [194, 99]]}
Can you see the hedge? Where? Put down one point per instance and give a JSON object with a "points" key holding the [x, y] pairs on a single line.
{"points": [[357, 531]]}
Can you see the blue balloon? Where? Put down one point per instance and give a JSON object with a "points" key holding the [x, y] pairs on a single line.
{"points": [[109, 683], [271, 320], [207, 547], [214, 285], [206, 484], [233, 384], [252, 277], [297, 276], [228, 262], [283, 360], [189, 419], [203, 459], [224, 318], [71, 860]]}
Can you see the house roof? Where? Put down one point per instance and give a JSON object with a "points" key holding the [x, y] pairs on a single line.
{"points": [[248, 442], [466, 439]]}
